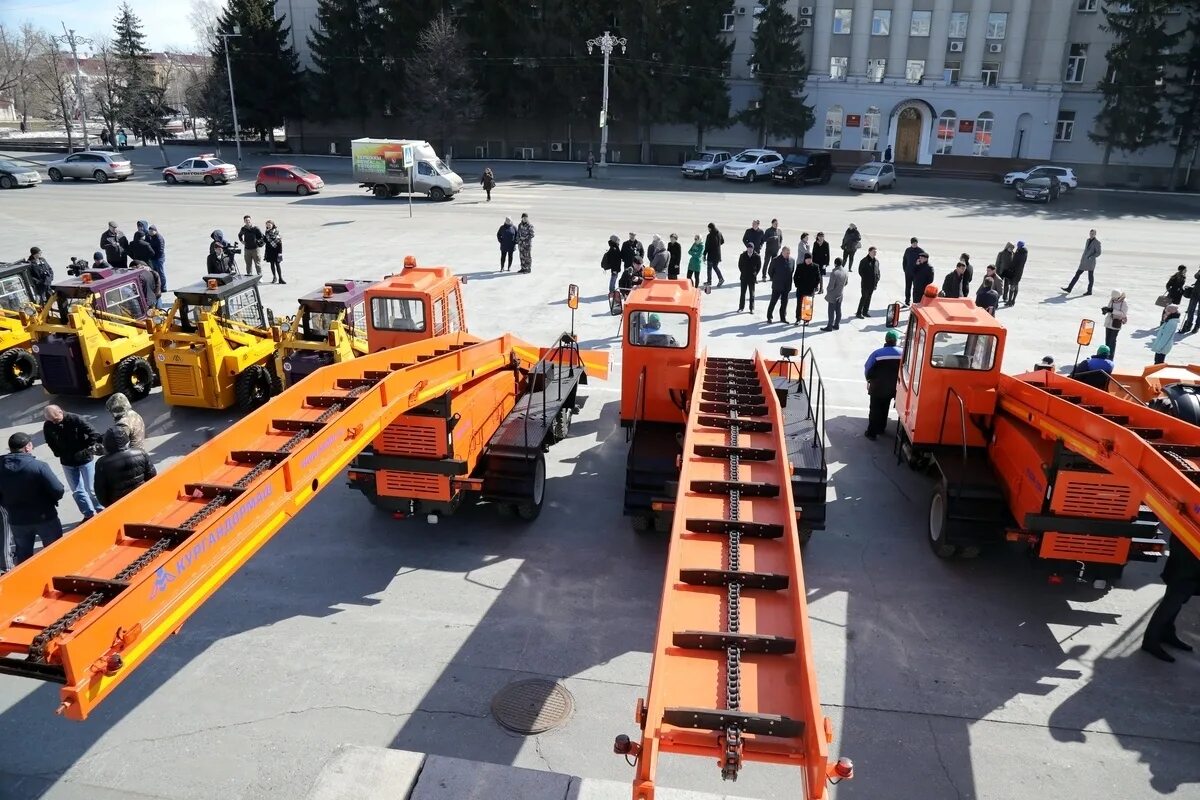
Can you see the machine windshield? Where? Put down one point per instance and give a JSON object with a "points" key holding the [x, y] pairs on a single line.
{"points": [[316, 325], [14, 294], [658, 329], [244, 307], [954, 350], [398, 313]]}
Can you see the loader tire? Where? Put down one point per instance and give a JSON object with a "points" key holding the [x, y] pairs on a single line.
{"points": [[134, 378], [528, 510], [939, 523], [252, 388], [18, 370]]}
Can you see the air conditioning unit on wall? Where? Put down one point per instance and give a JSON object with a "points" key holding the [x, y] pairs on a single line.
{"points": [[806, 11], [741, 11], [805, 22], [995, 47], [956, 47], [556, 147]]}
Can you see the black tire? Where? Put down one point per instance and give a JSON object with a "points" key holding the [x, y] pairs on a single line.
{"points": [[18, 370], [6, 182], [707, 174], [437, 193], [55, 175], [101, 176], [939, 523], [303, 190], [750, 176], [562, 425], [276, 384], [805, 536], [171, 179], [826, 179], [252, 388], [528, 510], [260, 188], [134, 378], [1018, 184], [209, 180], [379, 190]]}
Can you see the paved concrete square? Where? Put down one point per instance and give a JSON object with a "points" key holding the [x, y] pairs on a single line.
{"points": [[967, 680]]}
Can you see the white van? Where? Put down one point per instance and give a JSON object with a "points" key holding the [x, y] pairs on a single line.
{"points": [[379, 164]]}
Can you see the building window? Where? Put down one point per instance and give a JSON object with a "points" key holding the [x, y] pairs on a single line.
{"points": [[841, 20], [833, 128], [958, 24], [1087, 5], [997, 25], [920, 23], [1110, 76], [947, 125], [990, 72], [983, 133], [914, 71], [875, 69], [870, 129], [1075, 63], [951, 72], [881, 23], [726, 22], [1064, 128], [837, 67]]}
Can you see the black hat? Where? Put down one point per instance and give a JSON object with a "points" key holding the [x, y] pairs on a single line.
{"points": [[19, 441]]}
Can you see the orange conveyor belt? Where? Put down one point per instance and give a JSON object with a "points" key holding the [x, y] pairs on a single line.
{"points": [[1152, 451], [86, 611], [733, 676]]}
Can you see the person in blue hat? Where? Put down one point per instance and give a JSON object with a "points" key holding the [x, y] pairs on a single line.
{"points": [[882, 370]]}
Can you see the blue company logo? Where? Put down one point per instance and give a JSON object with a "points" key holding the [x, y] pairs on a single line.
{"points": [[163, 575], [329, 441]]}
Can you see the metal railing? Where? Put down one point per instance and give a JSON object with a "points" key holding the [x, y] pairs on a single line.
{"points": [[962, 419], [814, 390], [566, 348]]}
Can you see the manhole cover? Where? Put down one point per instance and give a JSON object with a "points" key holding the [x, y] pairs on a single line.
{"points": [[532, 706]]}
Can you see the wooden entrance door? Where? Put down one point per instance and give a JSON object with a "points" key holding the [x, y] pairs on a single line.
{"points": [[908, 136]]}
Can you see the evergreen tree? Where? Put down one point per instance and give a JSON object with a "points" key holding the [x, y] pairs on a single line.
{"points": [[136, 105], [702, 90], [346, 79], [501, 41], [266, 81], [1133, 114], [779, 69], [439, 77], [1183, 94], [642, 84], [394, 40]]}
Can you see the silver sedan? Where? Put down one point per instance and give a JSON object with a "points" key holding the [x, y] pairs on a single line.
{"points": [[98, 165], [873, 177]]}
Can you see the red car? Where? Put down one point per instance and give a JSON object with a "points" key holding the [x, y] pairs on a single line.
{"points": [[287, 178]]}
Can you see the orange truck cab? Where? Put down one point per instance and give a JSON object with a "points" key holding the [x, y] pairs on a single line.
{"points": [[416, 304], [1012, 460], [661, 323]]}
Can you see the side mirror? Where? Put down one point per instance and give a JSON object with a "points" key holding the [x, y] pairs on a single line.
{"points": [[1086, 328], [806, 308], [573, 296]]}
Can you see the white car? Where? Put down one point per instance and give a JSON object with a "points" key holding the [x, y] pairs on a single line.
{"points": [[206, 168], [1065, 175], [748, 165], [873, 176], [705, 164]]}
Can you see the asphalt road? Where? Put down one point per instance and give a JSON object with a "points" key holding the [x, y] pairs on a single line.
{"points": [[944, 680]]}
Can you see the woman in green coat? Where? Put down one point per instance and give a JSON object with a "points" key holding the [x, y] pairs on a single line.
{"points": [[694, 254]]}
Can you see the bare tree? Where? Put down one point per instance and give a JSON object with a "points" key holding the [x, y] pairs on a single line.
{"points": [[53, 89], [189, 86], [204, 17], [16, 50], [107, 87]]}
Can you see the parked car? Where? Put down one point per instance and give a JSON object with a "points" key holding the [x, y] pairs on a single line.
{"points": [[873, 176], [287, 178], [207, 168], [1065, 175], [99, 165], [798, 169], [1041, 190], [705, 164], [13, 175], [748, 165]]}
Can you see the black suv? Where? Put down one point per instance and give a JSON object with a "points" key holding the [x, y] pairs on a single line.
{"points": [[802, 168]]}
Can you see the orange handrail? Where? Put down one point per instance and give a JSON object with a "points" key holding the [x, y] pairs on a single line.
{"points": [[734, 523], [87, 610], [1166, 467]]}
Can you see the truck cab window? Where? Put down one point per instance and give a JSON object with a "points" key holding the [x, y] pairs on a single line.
{"points": [[973, 351], [397, 313], [423, 168], [658, 329]]}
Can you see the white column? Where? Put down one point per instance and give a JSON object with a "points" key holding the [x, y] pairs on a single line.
{"points": [[1054, 49], [860, 37], [975, 45], [939, 38], [822, 32], [898, 46], [1014, 41]]}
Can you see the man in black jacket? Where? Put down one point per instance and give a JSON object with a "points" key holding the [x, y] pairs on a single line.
{"points": [[868, 275], [1016, 271], [781, 270], [772, 241], [140, 249], [955, 283], [910, 265], [29, 493], [630, 249], [73, 440], [922, 276], [252, 239], [122, 468], [611, 261], [754, 236], [114, 243], [41, 274], [749, 264], [1182, 576]]}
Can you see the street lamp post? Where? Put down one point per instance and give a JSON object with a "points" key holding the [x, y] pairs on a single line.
{"points": [[606, 43], [70, 38], [237, 131]]}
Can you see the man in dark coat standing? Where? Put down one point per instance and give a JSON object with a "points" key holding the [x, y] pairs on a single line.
{"points": [[910, 265], [29, 493], [955, 283], [159, 263], [881, 370], [749, 264], [114, 243], [72, 440], [712, 253], [772, 241], [122, 468], [611, 261], [851, 241], [506, 235], [1182, 576], [754, 236], [807, 281], [631, 249], [868, 276], [780, 272], [1016, 270], [922, 276]]}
